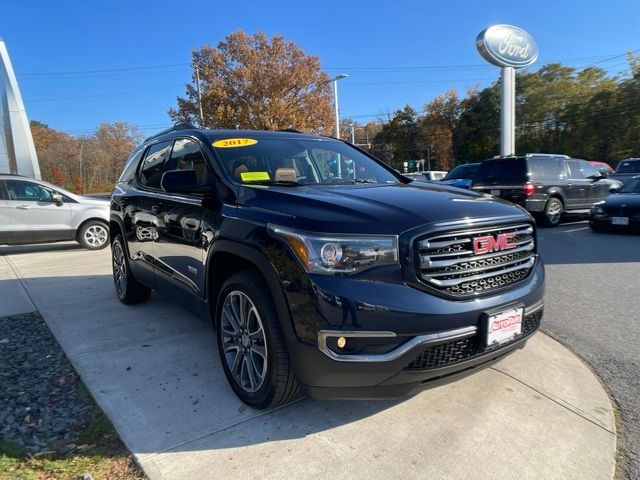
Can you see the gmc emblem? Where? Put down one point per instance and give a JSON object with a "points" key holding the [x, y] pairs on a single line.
{"points": [[489, 243]]}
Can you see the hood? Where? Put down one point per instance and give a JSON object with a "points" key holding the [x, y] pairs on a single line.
{"points": [[369, 209], [97, 201], [623, 199]]}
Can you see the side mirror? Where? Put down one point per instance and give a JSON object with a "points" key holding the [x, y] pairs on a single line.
{"points": [[614, 189], [57, 199], [183, 181]]}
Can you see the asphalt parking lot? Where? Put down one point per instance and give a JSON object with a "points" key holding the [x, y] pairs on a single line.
{"points": [[592, 306], [537, 414]]}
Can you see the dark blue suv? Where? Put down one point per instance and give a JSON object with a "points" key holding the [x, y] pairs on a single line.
{"points": [[321, 269]]}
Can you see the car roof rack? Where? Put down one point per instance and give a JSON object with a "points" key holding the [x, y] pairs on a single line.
{"points": [[176, 127]]}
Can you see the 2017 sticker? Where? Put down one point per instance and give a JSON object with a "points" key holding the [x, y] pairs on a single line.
{"points": [[234, 142], [254, 176]]}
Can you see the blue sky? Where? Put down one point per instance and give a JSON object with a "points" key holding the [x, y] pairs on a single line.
{"points": [[395, 52]]}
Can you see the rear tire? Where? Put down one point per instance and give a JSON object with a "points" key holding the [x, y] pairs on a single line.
{"points": [[128, 289], [94, 235], [553, 211], [252, 348]]}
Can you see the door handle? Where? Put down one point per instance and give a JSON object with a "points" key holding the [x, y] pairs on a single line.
{"points": [[23, 207]]}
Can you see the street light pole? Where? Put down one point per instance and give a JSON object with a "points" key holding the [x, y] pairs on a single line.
{"points": [[353, 134], [335, 100]]}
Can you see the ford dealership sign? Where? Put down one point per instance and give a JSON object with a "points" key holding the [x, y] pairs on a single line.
{"points": [[507, 46]]}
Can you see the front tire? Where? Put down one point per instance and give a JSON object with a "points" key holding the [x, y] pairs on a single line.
{"points": [[553, 211], [252, 349], [94, 235], [128, 289]]}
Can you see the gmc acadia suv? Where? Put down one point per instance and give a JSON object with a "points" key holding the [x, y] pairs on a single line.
{"points": [[545, 184], [322, 269]]}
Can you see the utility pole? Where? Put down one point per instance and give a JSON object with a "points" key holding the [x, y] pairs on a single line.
{"points": [[199, 94], [353, 133]]}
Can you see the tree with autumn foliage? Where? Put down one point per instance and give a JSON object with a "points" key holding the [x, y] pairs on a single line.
{"points": [[86, 163], [249, 81]]}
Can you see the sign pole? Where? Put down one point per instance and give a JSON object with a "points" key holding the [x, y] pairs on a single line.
{"points": [[507, 47], [507, 111]]}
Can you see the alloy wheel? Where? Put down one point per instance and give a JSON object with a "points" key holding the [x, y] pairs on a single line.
{"points": [[243, 341], [96, 235], [119, 269], [554, 212]]}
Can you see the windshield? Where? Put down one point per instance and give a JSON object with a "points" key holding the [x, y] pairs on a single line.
{"points": [[293, 161], [629, 166], [502, 170], [632, 186], [461, 172]]}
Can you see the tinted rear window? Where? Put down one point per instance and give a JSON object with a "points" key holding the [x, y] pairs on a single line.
{"points": [[547, 168], [502, 170]]}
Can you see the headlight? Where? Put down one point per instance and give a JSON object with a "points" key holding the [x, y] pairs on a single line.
{"points": [[329, 254], [597, 210]]}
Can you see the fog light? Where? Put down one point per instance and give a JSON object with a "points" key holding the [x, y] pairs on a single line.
{"points": [[342, 342]]}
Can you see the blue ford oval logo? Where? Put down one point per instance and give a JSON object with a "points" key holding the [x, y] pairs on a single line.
{"points": [[507, 46]]}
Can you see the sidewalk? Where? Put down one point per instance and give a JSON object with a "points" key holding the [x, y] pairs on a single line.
{"points": [[540, 413]]}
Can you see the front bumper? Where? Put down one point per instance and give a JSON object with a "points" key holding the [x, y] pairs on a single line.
{"points": [[430, 340]]}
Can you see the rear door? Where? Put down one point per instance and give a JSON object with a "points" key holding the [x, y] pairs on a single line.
{"points": [[34, 216], [140, 207], [502, 177], [578, 186]]}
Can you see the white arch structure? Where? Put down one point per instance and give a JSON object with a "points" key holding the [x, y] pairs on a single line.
{"points": [[17, 151]]}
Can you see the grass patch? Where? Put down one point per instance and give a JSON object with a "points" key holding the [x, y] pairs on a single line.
{"points": [[103, 456]]}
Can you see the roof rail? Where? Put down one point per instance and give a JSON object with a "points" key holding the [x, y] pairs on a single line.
{"points": [[290, 130], [177, 126], [547, 155]]}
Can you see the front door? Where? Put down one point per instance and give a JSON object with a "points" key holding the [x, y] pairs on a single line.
{"points": [[578, 187], [180, 245], [33, 215]]}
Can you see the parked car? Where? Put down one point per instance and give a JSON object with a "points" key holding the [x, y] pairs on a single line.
{"points": [[416, 176], [602, 166], [351, 285], [546, 185], [621, 210], [433, 175], [461, 175], [34, 211], [627, 169]]}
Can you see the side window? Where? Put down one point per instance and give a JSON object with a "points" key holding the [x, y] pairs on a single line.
{"points": [[130, 166], [28, 191], [589, 170], [152, 166], [547, 168], [575, 169], [186, 155]]}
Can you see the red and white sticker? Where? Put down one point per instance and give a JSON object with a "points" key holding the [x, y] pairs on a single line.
{"points": [[504, 326]]}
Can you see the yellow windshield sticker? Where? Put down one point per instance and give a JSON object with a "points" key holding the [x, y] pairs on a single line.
{"points": [[234, 142], [254, 176]]}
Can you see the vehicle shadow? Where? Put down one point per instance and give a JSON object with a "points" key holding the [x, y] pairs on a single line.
{"points": [[158, 359], [39, 247]]}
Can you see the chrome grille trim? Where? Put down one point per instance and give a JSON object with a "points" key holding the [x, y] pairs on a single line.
{"points": [[446, 261]]}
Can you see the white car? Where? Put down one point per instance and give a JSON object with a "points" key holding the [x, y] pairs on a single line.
{"points": [[34, 211]]}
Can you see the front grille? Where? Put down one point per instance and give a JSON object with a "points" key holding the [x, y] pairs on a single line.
{"points": [[449, 353], [448, 263]]}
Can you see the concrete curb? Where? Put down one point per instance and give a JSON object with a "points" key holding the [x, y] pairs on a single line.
{"points": [[539, 413]]}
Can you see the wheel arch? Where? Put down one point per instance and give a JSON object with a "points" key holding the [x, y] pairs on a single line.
{"points": [[227, 257], [555, 192], [92, 219]]}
